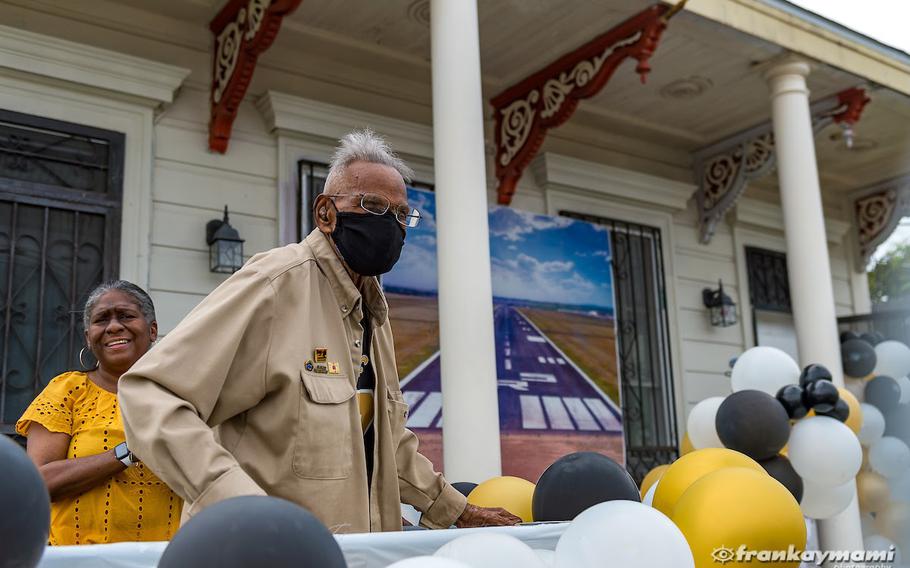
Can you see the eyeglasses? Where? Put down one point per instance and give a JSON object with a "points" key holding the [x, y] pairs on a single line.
{"points": [[406, 215]]}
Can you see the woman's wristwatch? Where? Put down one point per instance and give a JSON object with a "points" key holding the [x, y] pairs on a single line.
{"points": [[122, 453]]}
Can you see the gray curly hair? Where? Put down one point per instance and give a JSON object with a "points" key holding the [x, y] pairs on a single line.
{"points": [[365, 146], [140, 296]]}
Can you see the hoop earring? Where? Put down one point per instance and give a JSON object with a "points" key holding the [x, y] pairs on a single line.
{"points": [[81, 362]]}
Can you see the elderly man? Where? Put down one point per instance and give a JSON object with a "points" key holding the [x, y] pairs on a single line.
{"points": [[282, 381]]}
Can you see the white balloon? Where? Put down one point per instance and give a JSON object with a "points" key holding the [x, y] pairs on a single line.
{"points": [[764, 368], [490, 550], [889, 456], [700, 424], [821, 502], [548, 557], [892, 359], [857, 387], [824, 451], [904, 384], [877, 542], [900, 487], [873, 425], [622, 533], [428, 562], [649, 495], [866, 523]]}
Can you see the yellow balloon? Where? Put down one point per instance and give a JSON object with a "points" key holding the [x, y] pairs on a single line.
{"points": [[785, 451], [686, 447], [513, 494], [855, 418], [873, 491], [652, 478], [686, 470], [735, 507]]}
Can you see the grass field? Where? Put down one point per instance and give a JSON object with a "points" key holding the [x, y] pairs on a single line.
{"points": [[589, 341], [415, 323]]}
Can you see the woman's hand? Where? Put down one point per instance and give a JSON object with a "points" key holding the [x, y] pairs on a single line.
{"points": [[474, 516], [67, 477]]}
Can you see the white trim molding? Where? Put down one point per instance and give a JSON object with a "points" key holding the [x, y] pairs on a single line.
{"points": [[297, 115], [89, 66], [67, 81], [766, 215], [555, 172]]}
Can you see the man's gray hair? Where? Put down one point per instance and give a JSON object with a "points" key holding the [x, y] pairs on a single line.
{"points": [[365, 146]]}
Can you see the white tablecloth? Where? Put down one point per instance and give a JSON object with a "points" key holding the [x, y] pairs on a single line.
{"points": [[376, 550]]}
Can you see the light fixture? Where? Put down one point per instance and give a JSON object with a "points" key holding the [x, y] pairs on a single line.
{"points": [[721, 306], [225, 245]]}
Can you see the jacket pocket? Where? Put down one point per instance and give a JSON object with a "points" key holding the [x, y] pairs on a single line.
{"points": [[323, 444], [398, 413]]}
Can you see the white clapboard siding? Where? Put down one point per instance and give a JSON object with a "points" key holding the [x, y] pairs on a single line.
{"points": [[206, 187], [172, 307], [180, 226]]}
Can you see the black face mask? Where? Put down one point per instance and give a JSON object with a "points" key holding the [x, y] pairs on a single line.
{"points": [[369, 244]]}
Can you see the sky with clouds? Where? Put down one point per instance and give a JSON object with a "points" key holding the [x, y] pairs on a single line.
{"points": [[533, 257]]}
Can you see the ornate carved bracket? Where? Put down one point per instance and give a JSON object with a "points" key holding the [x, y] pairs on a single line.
{"points": [[878, 211], [546, 99], [243, 30], [724, 169]]}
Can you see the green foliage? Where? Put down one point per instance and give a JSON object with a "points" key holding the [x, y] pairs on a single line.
{"points": [[889, 279]]}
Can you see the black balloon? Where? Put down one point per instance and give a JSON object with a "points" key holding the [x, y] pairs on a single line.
{"points": [[872, 337], [754, 423], [820, 396], [780, 469], [253, 531], [25, 508], [464, 487], [841, 411], [884, 393], [578, 481], [846, 335], [791, 398], [858, 358], [814, 373]]}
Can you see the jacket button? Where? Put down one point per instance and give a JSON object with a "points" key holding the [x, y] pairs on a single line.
{"points": [[356, 343], [344, 308]]}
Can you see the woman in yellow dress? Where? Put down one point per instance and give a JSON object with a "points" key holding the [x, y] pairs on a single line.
{"points": [[99, 491]]}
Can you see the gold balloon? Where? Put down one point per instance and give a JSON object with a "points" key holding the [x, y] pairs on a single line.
{"points": [[893, 522], [686, 447], [873, 491], [652, 478], [688, 469], [735, 507], [513, 494], [855, 418], [785, 451]]}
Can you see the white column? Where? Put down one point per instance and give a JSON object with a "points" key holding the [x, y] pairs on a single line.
{"points": [[811, 288], [470, 407]]}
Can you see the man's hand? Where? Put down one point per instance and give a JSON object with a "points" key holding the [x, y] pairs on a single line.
{"points": [[475, 516]]}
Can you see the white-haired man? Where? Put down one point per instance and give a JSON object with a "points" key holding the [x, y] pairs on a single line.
{"points": [[282, 381]]}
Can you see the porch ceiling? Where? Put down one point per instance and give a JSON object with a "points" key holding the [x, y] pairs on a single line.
{"points": [[706, 80]]}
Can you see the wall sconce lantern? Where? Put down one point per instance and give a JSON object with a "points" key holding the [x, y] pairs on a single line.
{"points": [[225, 246], [720, 305]]}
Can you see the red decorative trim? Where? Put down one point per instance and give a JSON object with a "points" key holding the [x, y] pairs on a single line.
{"points": [[546, 99], [854, 100], [242, 30]]}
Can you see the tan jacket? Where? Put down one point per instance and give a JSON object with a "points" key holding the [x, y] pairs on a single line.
{"points": [[238, 362]]}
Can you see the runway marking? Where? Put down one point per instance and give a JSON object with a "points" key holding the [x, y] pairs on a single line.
{"points": [[507, 364], [556, 412], [532, 417], [607, 419], [560, 360], [551, 360], [536, 339], [538, 377], [508, 351], [540, 359], [412, 397], [580, 413], [426, 412]]}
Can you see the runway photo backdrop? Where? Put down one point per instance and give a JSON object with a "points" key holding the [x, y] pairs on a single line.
{"points": [[556, 356]]}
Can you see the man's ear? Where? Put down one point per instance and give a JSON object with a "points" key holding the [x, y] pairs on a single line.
{"points": [[324, 214]]}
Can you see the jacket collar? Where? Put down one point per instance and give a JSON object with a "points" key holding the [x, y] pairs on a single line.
{"points": [[343, 287]]}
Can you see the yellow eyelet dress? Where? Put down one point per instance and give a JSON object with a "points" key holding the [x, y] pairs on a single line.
{"points": [[133, 505]]}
